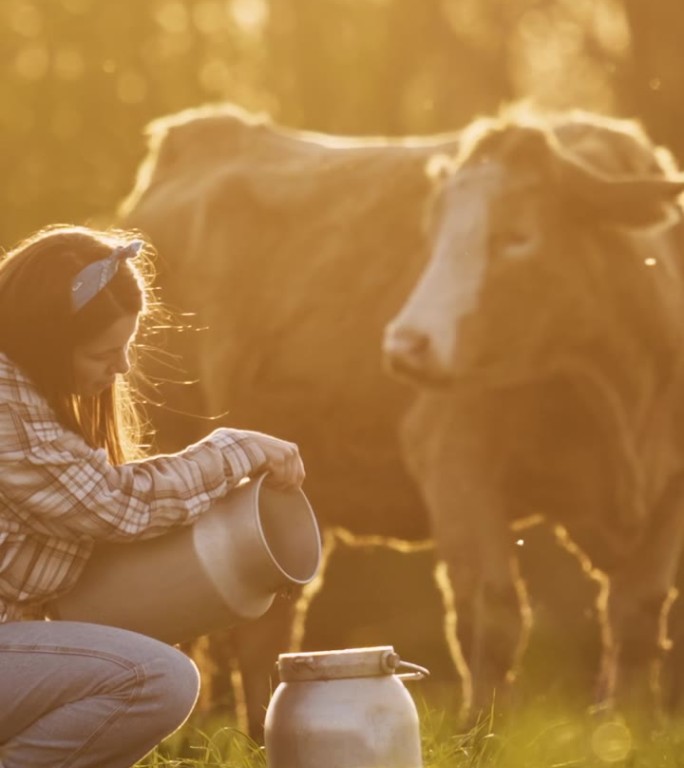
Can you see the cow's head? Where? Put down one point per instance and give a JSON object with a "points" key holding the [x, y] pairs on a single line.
{"points": [[519, 225]]}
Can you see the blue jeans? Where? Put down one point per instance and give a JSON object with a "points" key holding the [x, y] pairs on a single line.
{"points": [[76, 695]]}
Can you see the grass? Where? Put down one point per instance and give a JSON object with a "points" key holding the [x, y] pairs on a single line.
{"points": [[219, 747], [543, 735]]}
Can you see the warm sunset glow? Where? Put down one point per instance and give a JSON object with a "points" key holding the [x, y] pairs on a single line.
{"points": [[32, 62], [438, 245], [250, 15], [94, 73], [173, 16]]}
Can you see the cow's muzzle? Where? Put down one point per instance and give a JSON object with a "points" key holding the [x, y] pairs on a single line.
{"points": [[408, 354]]}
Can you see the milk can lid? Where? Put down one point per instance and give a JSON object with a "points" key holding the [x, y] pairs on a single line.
{"points": [[349, 662]]}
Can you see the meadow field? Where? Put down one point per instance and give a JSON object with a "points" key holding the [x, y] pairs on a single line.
{"points": [[551, 725], [546, 735]]}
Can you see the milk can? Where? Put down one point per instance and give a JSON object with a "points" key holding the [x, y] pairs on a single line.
{"points": [[343, 709]]}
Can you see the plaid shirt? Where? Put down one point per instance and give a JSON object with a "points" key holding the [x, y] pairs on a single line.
{"points": [[58, 495]]}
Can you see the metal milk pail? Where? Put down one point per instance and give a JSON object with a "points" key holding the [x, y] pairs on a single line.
{"points": [[343, 709], [225, 568]]}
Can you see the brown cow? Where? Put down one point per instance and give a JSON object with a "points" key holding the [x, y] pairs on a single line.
{"points": [[292, 250], [545, 338]]}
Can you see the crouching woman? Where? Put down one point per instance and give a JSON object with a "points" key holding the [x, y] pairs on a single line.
{"points": [[72, 474]]}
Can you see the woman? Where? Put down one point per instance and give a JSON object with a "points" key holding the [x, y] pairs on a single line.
{"points": [[75, 694]]}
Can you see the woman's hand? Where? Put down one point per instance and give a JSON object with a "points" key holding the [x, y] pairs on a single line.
{"points": [[284, 465]]}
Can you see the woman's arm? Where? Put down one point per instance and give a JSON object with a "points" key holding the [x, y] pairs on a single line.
{"points": [[54, 483]]}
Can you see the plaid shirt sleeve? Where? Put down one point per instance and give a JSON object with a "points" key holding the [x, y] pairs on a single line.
{"points": [[56, 485]]}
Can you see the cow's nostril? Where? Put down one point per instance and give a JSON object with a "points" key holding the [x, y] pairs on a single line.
{"points": [[407, 344]]}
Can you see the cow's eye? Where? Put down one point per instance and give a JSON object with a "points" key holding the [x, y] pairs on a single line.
{"points": [[510, 244]]}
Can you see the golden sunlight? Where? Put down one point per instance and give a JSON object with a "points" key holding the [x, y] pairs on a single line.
{"points": [[26, 20], [250, 15], [173, 17], [32, 62]]}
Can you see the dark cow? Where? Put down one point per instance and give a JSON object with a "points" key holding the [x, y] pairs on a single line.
{"points": [[545, 338], [545, 385], [292, 250]]}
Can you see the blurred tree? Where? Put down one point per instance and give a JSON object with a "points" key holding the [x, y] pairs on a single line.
{"points": [[387, 66], [71, 90], [565, 53], [398, 66], [653, 81], [81, 78]]}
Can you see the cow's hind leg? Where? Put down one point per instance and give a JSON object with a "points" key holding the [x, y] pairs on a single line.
{"points": [[634, 608], [257, 644]]}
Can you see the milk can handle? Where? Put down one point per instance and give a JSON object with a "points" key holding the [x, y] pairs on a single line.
{"points": [[416, 673]]}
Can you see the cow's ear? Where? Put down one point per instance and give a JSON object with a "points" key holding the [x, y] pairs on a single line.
{"points": [[439, 166], [628, 199]]}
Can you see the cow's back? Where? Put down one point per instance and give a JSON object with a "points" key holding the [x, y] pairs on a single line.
{"points": [[293, 250]]}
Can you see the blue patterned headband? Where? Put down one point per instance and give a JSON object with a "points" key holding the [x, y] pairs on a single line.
{"points": [[93, 278]]}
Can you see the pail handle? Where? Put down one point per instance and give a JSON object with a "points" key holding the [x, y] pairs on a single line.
{"points": [[417, 672]]}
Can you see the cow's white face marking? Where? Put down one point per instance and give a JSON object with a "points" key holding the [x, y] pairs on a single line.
{"points": [[462, 316], [420, 341]]}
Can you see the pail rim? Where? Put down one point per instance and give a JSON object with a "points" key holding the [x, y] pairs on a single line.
{"points": [[294, 496], [249, 553]]}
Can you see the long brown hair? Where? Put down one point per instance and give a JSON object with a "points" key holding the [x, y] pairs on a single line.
{"points": [[39, 330]]}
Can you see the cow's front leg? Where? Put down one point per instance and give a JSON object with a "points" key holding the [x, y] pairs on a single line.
{"points": [[456, 464], [635, 608], [487, 621]]}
